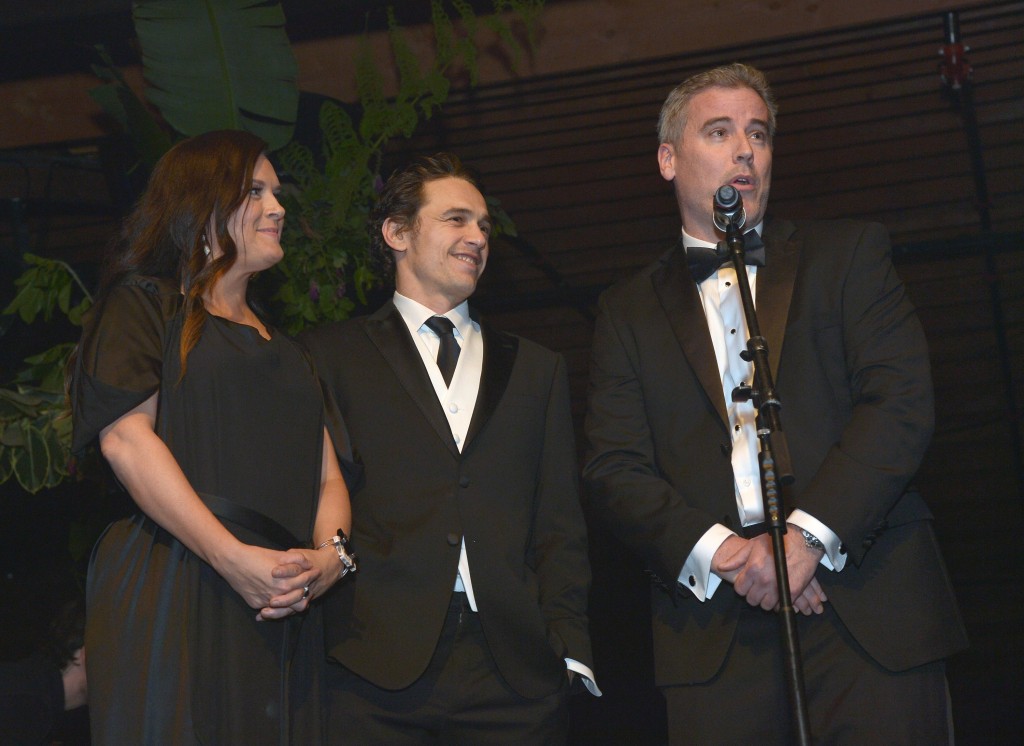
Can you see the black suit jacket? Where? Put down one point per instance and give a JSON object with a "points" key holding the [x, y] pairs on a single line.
{"points": [[851, 368], [512, 492]]}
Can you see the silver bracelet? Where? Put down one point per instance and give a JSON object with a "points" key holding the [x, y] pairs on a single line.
{"points": [[340, 544]]}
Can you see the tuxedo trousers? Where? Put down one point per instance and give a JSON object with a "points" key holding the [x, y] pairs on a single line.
{"points": [[460, 699], [850, 699]]}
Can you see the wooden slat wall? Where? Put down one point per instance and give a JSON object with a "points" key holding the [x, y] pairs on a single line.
{"points": [[865, 130]]}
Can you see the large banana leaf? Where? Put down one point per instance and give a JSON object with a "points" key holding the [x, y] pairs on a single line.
{"points": [[120, 102], [219, 64]]}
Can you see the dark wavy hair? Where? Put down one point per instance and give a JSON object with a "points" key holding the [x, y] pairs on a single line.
{"points": [[402, 197], [201, 181]]}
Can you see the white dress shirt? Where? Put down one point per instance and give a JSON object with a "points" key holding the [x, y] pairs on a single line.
{"points": [[457, 400], [723, 309]]}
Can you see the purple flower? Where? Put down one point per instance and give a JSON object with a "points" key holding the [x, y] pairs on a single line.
{"points": [[314, 291]]}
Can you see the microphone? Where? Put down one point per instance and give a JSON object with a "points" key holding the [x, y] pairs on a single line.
{"points": [[728, 208]]}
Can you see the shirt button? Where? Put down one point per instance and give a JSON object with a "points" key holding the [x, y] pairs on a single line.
{"points": [[728, 284], [458, 439], [463, 481], [746, 482], [453, 540], [736, 428], [693, 581], [732, 331], [453, 407]]}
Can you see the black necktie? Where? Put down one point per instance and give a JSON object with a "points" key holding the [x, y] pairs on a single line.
{"points": [[704, 261], [448, 350]]}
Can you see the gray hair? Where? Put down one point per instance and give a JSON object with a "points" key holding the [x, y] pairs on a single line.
{"points": [[672, 120]]}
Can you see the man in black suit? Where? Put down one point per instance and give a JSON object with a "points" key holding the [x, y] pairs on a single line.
{"points": [[467, 621], [673, 462]]}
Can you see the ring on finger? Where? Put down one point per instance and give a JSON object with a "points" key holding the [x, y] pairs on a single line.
{"points": [[305, 592]]}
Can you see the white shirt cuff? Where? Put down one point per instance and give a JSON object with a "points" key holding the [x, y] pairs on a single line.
{"points": [[586, 673], [835, 556], [696, 575]]}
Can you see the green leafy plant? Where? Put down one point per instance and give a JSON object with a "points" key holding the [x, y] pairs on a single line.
{"points": [[327, 262], [219, 64], [213, 64], [35, 429], [148, 136], [208, 64]]}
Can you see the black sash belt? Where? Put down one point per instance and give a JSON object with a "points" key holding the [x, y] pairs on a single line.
{"points": [[251, 519]]}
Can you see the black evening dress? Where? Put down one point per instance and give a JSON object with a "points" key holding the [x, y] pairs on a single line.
{"points": [[175, 655]]}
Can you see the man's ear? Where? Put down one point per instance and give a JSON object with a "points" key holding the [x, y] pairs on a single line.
{"points": [[667, 161], [395, 234]]}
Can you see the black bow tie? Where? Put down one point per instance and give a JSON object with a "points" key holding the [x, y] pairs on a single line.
{"points": [[704, 261]]}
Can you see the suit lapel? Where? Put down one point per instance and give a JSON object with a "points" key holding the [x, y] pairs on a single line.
{"points": [[499, 356], [678, 295], [775, 283], [388, 332]]}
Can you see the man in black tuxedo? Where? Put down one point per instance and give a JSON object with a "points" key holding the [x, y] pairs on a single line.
{"points": [[467, 621], [672, 460]]}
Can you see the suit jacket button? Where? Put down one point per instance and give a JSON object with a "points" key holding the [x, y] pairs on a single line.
{"points": [[463, 481], [454, 540]]}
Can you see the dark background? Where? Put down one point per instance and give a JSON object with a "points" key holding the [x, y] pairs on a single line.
{"points": [[866, 129]]}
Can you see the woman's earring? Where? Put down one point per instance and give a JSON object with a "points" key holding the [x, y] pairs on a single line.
{"points": [[206, 246]]}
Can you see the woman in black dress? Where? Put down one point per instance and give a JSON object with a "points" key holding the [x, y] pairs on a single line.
{"points": [[200, 628]]}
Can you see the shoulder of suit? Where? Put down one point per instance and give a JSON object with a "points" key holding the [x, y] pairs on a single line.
{"points": [[829, 247], [523, 345], [628, 289], [330, 332], [817, 230], [493, 334], [528, 345]]}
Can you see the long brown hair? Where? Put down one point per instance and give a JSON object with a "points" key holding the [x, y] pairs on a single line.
{"points": [[199, 181]]}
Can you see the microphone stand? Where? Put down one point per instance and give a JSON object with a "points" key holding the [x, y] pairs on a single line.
{"points": [[957, 76], [776, 473]]}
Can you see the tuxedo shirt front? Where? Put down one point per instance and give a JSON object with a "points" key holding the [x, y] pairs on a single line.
{"points": [[723, 309]]}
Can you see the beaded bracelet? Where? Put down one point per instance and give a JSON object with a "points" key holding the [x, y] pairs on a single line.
{"points": [[348, 559]]}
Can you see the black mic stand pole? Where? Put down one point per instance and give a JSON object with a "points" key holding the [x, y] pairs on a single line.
{"points": [[957, 76], [776, 473]]}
